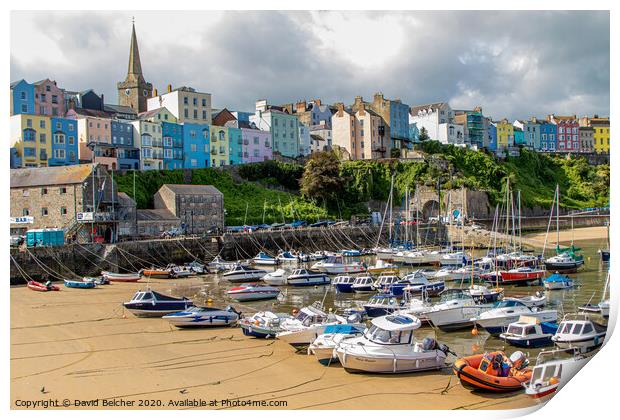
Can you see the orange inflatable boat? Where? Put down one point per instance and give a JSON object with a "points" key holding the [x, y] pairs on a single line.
{"points": [[493, 372]]}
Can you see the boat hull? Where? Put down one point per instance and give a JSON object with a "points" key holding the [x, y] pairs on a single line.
{"points": [[360, 363], [344, 287], [466, 370], [80, 284], [250, 296], [307, 281]]}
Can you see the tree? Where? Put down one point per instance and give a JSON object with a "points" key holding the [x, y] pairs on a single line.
{"points": [[423, 134], [321, 179]]}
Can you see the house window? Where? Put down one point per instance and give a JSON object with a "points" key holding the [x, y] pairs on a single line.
{"points": [[28, 122], [23, 95], [24, 108], [25, 212], [221, 134], [185, 101], [43, 191], [59, 154], [42, 138], [71, 140], [43, 211], [195, 114], [63, 211], [42, 124], [193, 147], [186, 113], [194, 162], [205, 134]]}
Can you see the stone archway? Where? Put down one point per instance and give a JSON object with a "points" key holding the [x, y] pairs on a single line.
{"points": [[430, 209]]}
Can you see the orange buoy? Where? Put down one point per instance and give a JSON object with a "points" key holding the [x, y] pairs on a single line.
{"points": [[474, 331]]}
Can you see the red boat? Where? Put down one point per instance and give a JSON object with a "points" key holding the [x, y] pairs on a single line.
{"points": [[521, 275], [40, 287]]}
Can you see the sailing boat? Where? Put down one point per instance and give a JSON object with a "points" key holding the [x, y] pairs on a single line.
{"points": [[566, 259], [603, 306], [605, 252]]}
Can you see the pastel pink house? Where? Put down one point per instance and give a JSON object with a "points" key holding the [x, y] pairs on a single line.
{"points": [[49, 99]]}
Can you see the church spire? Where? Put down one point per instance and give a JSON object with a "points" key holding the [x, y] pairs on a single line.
{"points": [[134, 68]]}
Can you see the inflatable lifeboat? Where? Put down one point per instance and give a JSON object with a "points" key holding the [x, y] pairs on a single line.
{"points": [[493, 372]]}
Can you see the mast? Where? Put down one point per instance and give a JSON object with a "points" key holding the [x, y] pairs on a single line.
{"points": [[391, 199], [549, 223], [507, 211], [557, 215], [520, 237]]}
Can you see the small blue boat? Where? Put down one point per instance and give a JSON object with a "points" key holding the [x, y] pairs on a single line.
{"points": [[380, 305], [153, 304], [529, 332], [80, 284], [343, 283], [557, 281]]}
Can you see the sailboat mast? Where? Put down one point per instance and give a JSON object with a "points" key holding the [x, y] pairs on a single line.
{"points": [[520, 237], [557, 214]]}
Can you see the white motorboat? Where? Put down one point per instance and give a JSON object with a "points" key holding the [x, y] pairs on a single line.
{"points": [[497, 319], [453, 258], [539, 299], [418, 284], [457, 274], [416, 307], [554, 369], [203, 317], [303, 277], [580, 330], [422, 257], [252, 291], [484, 294], [325, 344], [218, 264], [363, 284], [389, 346], [150, 303], [455, 310], [288, 257], [529, 332], [180, 271], [240, 273], [265, 259], [337, 265], [380, 266], [263, 324], [384, 281], [197, 267], [307, 325], [275, 278]]}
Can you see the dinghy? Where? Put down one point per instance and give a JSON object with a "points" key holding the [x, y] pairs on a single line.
{"points": [[157, 273], [42, 287], [121, 277], [80, 284], [150, 303], [325, 344], [389, 346], [529, 332], [275, 278], [263, 324], [252, 291], [203, 317], [493, 372]]}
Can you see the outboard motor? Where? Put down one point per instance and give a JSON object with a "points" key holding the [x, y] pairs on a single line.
{"points": [[429, 344], [518, 360], [354, 318]]}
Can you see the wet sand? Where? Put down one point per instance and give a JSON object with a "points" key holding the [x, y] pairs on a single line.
{"points": [[567, 236], [81, 344]]}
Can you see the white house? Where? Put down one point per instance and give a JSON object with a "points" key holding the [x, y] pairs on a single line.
{"points": [[187, 105], [430, 116], [451, 133]]}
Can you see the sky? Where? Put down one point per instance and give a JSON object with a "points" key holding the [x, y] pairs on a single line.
{"points": [[513, 64]]}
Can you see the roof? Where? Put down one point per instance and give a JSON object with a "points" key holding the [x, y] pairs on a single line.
{"points": [[434, 106], [53, 175], [125, 199], [120, 109], [92, 113], [151, 113], [152, 215], [191, 189], [222, 117], [397, 322], [317, 137]]}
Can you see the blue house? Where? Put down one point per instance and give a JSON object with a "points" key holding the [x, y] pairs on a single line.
{"points": [[172, 136], [235, 142], [548, 136], [399, 124], [518, 136], [16, 161], [64, 142], [196, 146], [127, 153], [22, 98], [492, 136], [414, 132]]}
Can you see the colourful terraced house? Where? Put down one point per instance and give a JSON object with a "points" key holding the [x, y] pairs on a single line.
{"points": [[31, 137], [197, 145], [505, 134], [64, 142], [567, 133], [220, 147], [22, 98], [601, 134], [172, 138], [548, 139]]}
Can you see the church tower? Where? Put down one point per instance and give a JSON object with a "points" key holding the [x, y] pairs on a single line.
{"points": [[134, 91]]}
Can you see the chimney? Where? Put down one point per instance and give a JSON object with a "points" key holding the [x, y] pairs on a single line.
{"points": [[478, 109], [300, 106], [378, 97], [340, 106], [362, 110], [169, 88], [358, 102]]}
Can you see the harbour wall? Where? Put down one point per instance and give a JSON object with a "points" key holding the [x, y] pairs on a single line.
{"points": [[539, 223]]}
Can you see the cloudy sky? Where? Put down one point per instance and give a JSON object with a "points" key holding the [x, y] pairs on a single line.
{"points": [[514, 64]]}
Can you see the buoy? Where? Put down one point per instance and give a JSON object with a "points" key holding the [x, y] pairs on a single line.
{"points": [[330, 309], [474, 331], [475, 348]]}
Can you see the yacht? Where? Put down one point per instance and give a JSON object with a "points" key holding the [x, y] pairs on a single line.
{"points": [[453, 258], [564, 261], [389, 346]]}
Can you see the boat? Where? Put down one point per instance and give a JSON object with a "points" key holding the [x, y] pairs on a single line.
{"points": [[521, 275], [121, 277], [381, 266], [602, 307], [539, 299], [554, 369], [605, 255], [307, 325], [263, 324], [42, 287], [483, 294], [382, 304], [252, 291], [363, 284], [287, 257], [457, 274], [218, 264], [157, 273], [150, 303], [493, 372], [416, 306], [529, 332], [343, 283], [197, 316], [97, 280], [265, 259], [389, 346], [455, 310], [417, 283], [304, 277], [241, 273], [385, 281], [557, 281], [336, 265], [275, 278], [324, 346], [453, 258], [579, 330], [564, 261], [80, 284], [197, 267], [180, 271], [497, 319], [351, 252]]}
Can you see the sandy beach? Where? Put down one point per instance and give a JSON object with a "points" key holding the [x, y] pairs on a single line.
{"points": [[81, 345], [567, 236]]}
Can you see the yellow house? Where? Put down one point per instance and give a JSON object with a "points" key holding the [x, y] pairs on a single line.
{"points": [[601, 134], [505, 134], [31, 135], [220, 155]]}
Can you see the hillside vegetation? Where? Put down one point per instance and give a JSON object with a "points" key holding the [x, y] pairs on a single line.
{"points": [[340, 189]]}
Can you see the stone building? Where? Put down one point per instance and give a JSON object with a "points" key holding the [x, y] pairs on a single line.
{"points": [[62, 197], [473, 204], [200, 208], [154, 222]]}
